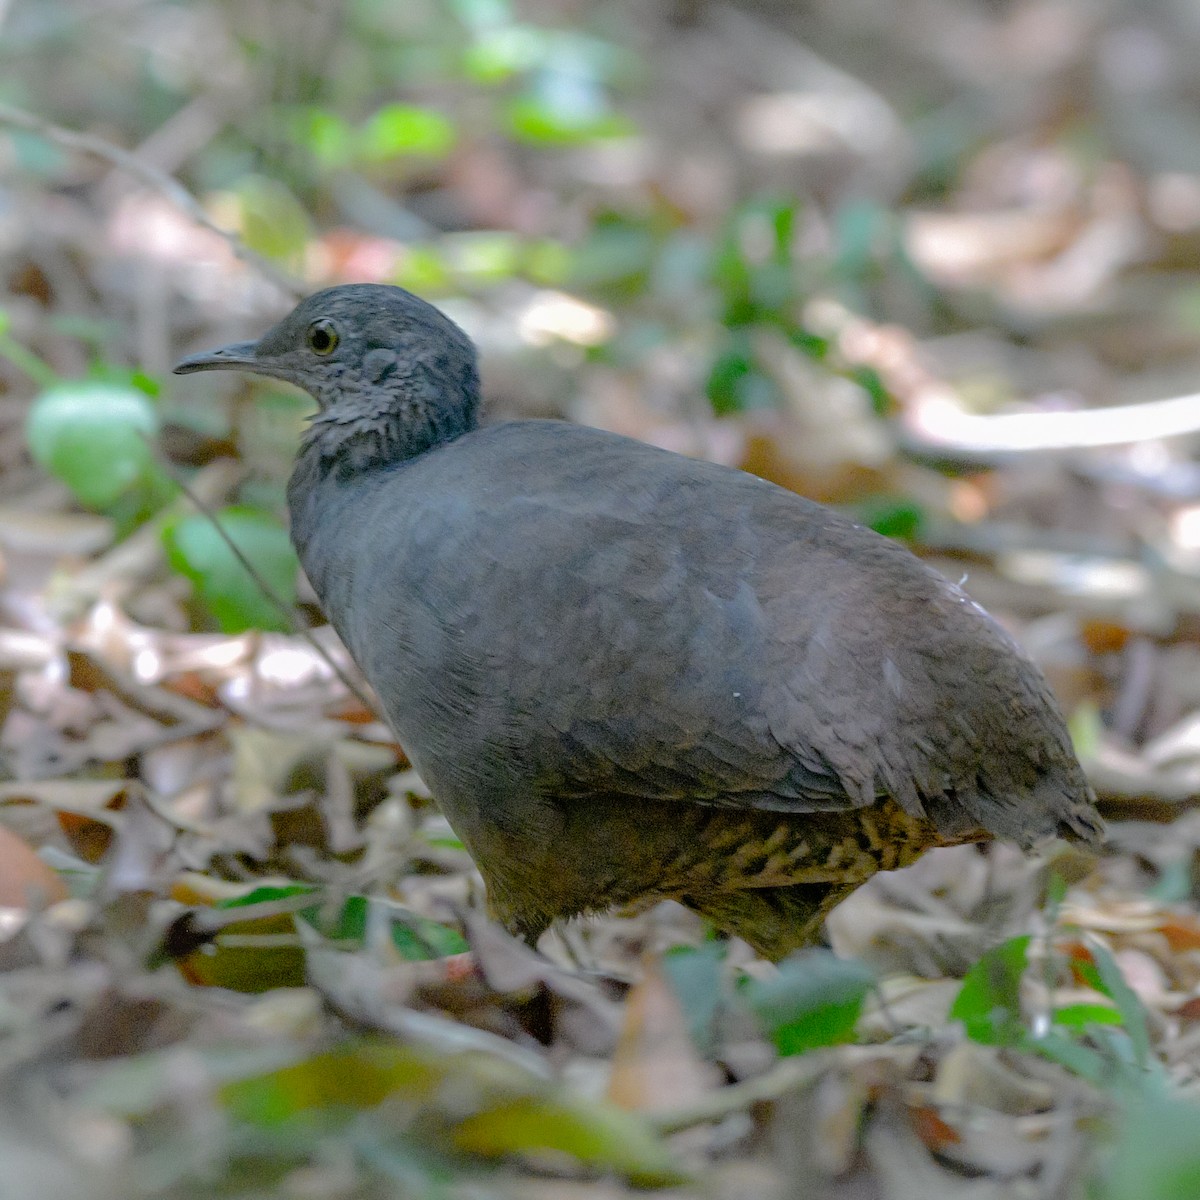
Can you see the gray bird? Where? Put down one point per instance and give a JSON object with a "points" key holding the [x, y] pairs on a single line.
{"points": [[628, 675]]}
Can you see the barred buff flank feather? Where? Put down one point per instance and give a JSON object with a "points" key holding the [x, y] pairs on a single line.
{"points": [[626, 674]]}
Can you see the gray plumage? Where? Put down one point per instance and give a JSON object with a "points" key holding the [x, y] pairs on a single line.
{"points": [[629, 674]]}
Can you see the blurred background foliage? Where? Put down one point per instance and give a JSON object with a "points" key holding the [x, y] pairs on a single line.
{"points": [[841, 243], [632, 207]]}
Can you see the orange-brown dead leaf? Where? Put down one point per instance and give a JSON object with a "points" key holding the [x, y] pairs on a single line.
{"points": [[89, 838], [1103, 637], [1077, 955], [1182, 933], [192, 686], [354, 712], [932, 1129], [24, 878], [1189, 1010]]}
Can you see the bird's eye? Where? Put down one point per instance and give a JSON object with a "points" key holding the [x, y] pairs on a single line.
{"points": [[322, 337]]}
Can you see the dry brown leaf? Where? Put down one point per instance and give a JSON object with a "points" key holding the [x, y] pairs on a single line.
{"points": [[971, 1074], [936, 1133], [24, 879], [1182, 933], [656, 1066]]}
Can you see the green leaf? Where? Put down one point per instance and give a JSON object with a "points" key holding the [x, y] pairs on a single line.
{"points": [[727, 378], [593, 1133], [1071, 1053], [547, 262], [871, 382], [483, 256], [681, 271], [537, 119], [498, 54], [351, 923], [697, 977], [1109, 980], [24, 359], [418, 939], [480, 1104], [735, 384], [483, 15], [445, 841], [92, 436], [251, 968], [1056, 892], [265, 894], [134, 1085], [399, 130], [146, 383], [617, 253], [360, 1075], [1079, 1016], [422, 269], [1174, 884], [196, 550], [1086, 728], [815, 1000], [989, 1001], [753, 267], [1157, 1153], [328, 137], [859, 229], [893, 516], [274, 222]]}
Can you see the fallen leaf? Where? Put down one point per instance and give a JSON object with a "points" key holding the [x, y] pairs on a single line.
{"points": [[1181, 933], [24, 878], [656, 1066], [931, 1129]]}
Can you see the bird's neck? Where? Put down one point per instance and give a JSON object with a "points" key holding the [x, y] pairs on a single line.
{"points": [[376, 427], [355, 442], [351, 443]]}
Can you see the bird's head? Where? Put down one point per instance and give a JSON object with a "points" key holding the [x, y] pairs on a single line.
{"points": [[382, 365]]}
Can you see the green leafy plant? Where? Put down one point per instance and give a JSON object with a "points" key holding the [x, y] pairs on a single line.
{"points": [[697, 976], [989, 1001], [471, 1105], [234, 597], [1094, 1039], [392, 133], [94, 437], [266, 952], [814, 1000], [1157, 1151], [560, 79]]}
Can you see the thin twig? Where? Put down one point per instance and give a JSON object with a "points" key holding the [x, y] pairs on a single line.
{"points": [[180, 196], [213, 920], [287, 611], [138, 555], [785, 1076], [170, 187]]}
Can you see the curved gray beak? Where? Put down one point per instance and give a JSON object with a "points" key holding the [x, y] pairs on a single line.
{"points": [[238, 356]]}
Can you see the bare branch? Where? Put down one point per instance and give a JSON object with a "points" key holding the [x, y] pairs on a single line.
{"points": [[170, 187]]}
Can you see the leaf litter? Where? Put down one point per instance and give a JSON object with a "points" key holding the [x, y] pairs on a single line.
{"points": [[242, 954], [244, 928]]}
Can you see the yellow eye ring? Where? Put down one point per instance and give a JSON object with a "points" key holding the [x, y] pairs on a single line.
{"points": [[322, 337]]}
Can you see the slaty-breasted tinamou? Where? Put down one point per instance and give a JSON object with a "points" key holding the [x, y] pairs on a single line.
{"points": [[626, 674]]}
